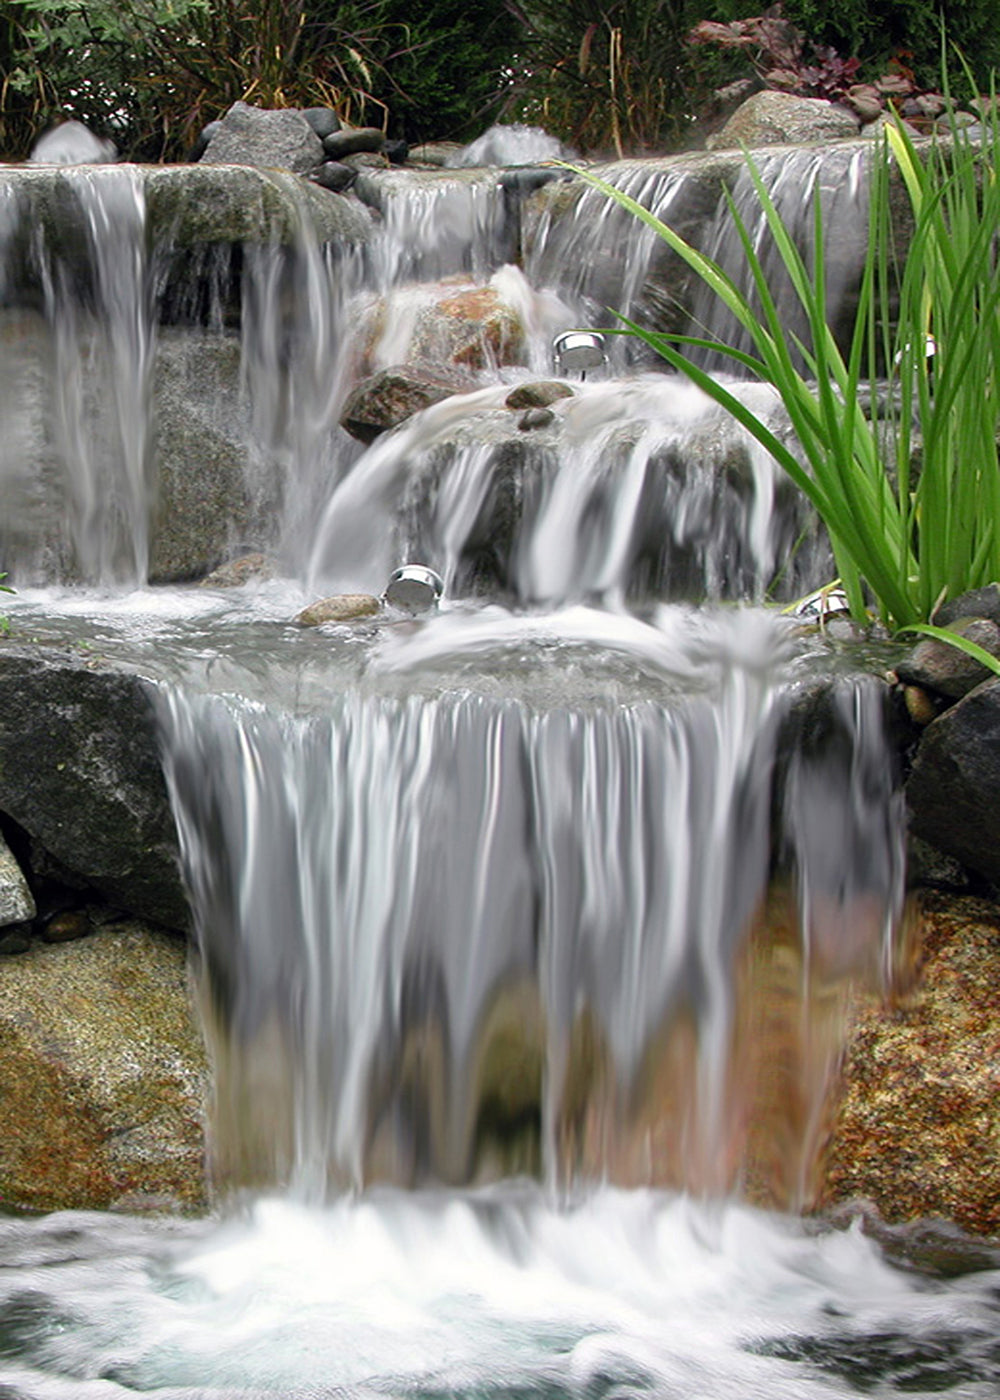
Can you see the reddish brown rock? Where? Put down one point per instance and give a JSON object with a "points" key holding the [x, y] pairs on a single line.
{"points": [[103, 1075], [388, 398], [916, 1128]]}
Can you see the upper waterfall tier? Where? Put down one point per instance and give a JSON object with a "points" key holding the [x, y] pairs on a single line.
{"points": [[177, 343]]}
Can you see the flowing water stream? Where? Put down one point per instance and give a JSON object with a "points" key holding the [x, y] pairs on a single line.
{"points": [[488, 901]]}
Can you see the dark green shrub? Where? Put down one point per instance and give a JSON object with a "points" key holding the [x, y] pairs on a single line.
{"points": [[444, 67], [613, 76]]}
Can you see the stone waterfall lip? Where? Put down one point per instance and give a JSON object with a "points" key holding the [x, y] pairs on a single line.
{"points": [[194, 204], [80, 767]]}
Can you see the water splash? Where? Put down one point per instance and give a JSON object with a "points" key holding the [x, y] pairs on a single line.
{"points": [[510, 144], [383, 895], [489, 1295], [72, 143], [641, 488]]}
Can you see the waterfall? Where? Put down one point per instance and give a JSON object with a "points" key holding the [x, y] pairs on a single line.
{"points": [[451, 934], [103, 352], [638, 489], [795, 181], [438, 227], [596, 254], [135, 355]]}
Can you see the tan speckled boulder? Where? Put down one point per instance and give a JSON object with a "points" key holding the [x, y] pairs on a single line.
{"points": [[917, 1126], [103, 1075]]}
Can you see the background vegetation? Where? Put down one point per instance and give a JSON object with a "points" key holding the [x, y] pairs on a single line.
{"points": [[604, 75]]}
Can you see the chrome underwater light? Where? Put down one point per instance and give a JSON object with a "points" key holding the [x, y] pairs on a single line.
{"points": [[413, 588], [577, 351]]}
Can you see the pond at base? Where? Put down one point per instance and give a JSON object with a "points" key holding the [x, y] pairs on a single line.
{"points": [[493, 1294]]}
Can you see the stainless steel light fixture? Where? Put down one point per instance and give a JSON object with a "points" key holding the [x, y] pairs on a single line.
{"points": [[413, 588], [574, 352]]}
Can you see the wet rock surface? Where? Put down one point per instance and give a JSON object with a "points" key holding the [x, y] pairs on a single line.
{"points": [[202, 444], [952, 788], [389, 397], [342, 607], [80, 773], [103, 1075], [237, 572], [917, 1126], [539, 394], [772, 118]]}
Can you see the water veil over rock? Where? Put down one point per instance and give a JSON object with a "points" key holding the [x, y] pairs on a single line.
{"points": [[527, 925]]}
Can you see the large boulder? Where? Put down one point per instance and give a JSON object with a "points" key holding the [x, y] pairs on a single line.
{"points": [[202, 444], [80, 773], [772, 118], [463, 326], [256, 136], [103, 1075], [916, 1121], [952, 789]]}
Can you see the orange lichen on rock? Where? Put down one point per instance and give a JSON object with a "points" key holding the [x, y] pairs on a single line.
{"points": [[916, 1129]]}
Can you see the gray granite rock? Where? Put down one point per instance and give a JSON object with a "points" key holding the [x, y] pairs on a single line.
{"points": [[772, 118], [80, 772], [952, 789], [104, 1080], [17, 903], [351, 141], [255, 136]]}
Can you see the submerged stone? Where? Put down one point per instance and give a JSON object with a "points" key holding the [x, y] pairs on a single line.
{"points": [[67, 926], [916, 1126], [344, 607], [240, 571], [535, 418]]}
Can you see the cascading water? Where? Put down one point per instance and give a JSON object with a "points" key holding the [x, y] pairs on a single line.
{"points": [[101, 374], [382, 890], [636, 489], [488, 903], [793, 181]]}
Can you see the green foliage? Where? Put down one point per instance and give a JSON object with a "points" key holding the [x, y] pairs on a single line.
{"points": [[446, 72], [911, 538], [613, 76], [151, 73], [878, 31]]}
